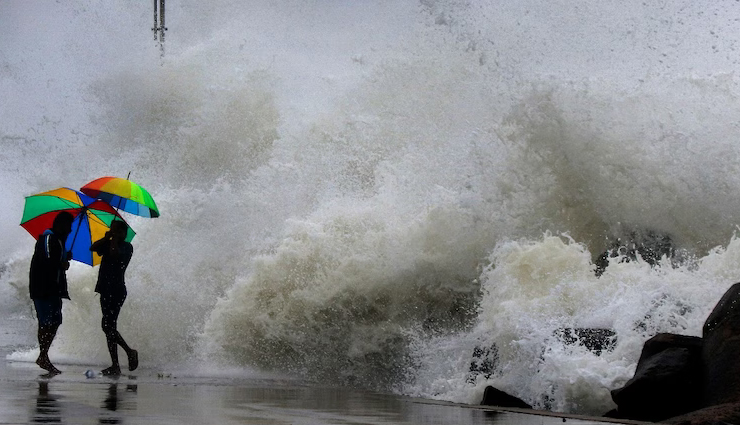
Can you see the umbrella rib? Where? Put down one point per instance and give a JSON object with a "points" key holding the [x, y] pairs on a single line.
{"points": [[94, 217], [70, 203], [86, 213]]}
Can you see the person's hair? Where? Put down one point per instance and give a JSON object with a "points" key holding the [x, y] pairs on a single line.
{"points": [[63, 218], [118, 225]]}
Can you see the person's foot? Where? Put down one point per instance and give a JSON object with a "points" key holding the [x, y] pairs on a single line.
{"points": [[133, 360], [45, 363], [111, 371]]}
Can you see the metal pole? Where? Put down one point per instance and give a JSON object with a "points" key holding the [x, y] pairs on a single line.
{"points": [[155, 27], [162, 28]]}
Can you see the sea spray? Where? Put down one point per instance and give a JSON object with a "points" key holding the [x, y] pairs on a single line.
{"points": [[534, 288], [339, 297], [368, 207]]}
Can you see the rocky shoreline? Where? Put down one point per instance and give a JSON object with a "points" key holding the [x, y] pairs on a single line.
{"points": [[679, 379]]}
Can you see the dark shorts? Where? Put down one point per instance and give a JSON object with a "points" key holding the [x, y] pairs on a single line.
{"points": [[48, 311], [110, 306]]}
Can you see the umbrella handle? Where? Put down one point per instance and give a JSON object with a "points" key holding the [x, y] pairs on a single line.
{"points": [[118, 206], [74, 238]]}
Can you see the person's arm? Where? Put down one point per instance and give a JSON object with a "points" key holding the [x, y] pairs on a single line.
{"points": [[57, 257], [55, 254], [101, 244], [128, 253], [66, 259]]}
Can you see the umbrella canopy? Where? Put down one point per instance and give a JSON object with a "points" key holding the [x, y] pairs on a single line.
{"points": [[123, 194], [92, 218]]}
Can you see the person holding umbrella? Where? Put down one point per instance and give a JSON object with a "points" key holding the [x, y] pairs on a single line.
{"points": [[124, 195], [116, 254], [87, 216], [48, 284]]}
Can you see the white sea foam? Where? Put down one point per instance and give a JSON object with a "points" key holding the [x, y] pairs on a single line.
{"points": [[365, 193]]}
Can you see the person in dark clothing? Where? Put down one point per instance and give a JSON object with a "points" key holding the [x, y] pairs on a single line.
{"points": [[116, 254], [48, 284]]}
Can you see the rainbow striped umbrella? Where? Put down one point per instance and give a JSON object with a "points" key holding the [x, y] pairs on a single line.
{"points": [[123, 194], [92, 218]]}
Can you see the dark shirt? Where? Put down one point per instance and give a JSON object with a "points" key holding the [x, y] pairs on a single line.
{"points": [[48, 276], [113, 267]]}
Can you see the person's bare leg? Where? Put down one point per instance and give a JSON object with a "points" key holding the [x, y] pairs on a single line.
{"points": [[111, 308], [46, 336], [133, 355], [114, 339], [112, 342]]}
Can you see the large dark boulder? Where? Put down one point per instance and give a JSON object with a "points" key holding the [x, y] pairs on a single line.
{"points": [[721, 351], [494, 397], [699, 376], [667, 381], [723, 414], [664, 341]]}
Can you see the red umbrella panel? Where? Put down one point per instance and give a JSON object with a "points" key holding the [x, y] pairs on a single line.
{"points": [[92, 219]]}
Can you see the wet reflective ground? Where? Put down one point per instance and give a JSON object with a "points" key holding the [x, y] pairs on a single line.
{"points": [[146, 397], [152, 397]]}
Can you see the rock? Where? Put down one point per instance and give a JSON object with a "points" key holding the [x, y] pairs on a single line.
{"points": [[667, 381], [723, 414], [495, 397], [664, 341], [685, 380], [721, 350], [595, 340], [680, 308], [483, 363], [649, 245], [614, 414]]}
